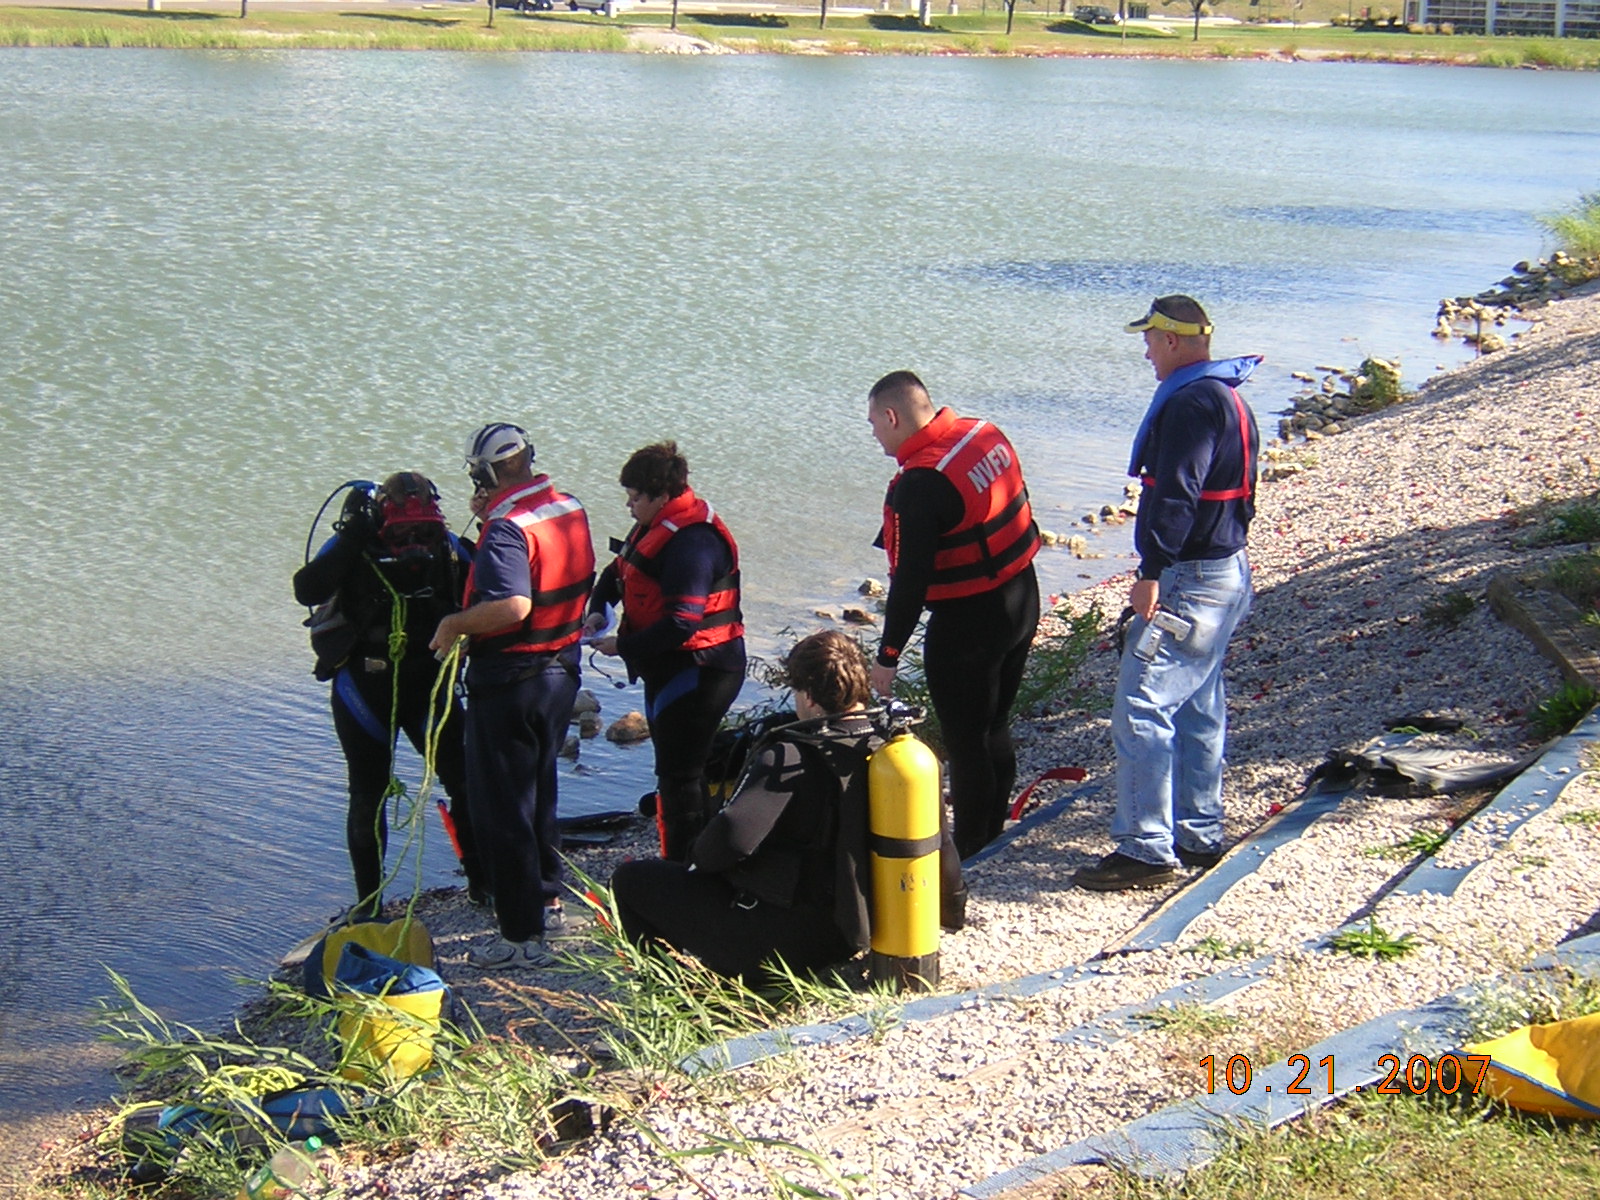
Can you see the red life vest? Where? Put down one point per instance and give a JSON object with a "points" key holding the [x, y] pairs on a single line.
{"points": [[1247, 457], [996, 537], [560, 569], [638, 562]]}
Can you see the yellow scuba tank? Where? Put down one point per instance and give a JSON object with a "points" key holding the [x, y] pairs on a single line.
{"points": [[903, 804]]}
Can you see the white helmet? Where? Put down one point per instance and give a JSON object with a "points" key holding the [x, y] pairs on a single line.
{"points": [[492, 444]]}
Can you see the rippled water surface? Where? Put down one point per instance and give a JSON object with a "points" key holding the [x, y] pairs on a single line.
{"points": [[232, 281]]}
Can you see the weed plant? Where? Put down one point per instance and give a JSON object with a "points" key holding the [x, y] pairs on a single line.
{"points": [[1373, 942], [1587, 817], [1568, 523], [1577, 231], [1577, 578], [1450, 610], [1425, 842], [1557, 714], [1049, 679], [1218, 948], [1532, 998], [1187, 1020]]}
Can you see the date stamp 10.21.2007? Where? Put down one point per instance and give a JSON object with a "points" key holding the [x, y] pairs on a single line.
{"points": [[1449, 1073]]}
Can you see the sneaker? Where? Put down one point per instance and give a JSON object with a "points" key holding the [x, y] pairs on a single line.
{"points": [[1202, 860], [501, 954], [1119, 873], [555, 918]]}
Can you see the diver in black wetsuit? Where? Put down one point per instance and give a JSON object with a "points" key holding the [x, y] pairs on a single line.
{"points": [[961, 539], [390, 548], [778, 872]]}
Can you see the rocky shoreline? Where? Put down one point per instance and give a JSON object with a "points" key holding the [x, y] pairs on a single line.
{"points": [[1357, 554]]}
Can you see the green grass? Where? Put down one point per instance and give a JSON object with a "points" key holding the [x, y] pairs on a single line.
{"points": [[1555, 715], [1587, 817], [1577, 578], [1577, 231], [1039, 30], [1188, 1021], [1430, 1147], [1564, 523], [399, 29], [1380, 1147], [1536, 998], [515, 1097]]}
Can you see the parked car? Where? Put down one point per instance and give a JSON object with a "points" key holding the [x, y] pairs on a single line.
{"points": [[526, 6], [600, 6], [1094, 14]]}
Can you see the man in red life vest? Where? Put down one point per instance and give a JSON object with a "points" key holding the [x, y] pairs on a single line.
{"points": [[1195, 454], [961, 540], [530, 579]]}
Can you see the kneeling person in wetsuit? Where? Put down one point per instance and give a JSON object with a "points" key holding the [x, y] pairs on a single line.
{"points": [[781, 871], [392, 563]]}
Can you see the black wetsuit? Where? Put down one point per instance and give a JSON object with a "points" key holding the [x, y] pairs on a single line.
{"points": [[781, 871], [686, 692], [361, 670], [973, 656]]}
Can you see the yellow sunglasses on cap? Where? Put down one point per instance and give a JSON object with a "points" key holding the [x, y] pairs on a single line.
{"points": [[1160, 320]]}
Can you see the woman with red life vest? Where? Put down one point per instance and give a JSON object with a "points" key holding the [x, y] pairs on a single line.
{"points": [[961, 540], [676, 576]]}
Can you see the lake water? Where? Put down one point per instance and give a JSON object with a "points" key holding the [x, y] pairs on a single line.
{"points": [[233, 280]]}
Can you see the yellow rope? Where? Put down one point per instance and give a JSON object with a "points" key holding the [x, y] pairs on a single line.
{"points": [[405, 817], [413, 819]]}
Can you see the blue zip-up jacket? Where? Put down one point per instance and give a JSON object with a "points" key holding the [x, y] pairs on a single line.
{"points": [[1196, 453]]}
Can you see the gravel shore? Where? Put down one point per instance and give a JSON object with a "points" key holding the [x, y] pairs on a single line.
{"points": [[1352, 554]]}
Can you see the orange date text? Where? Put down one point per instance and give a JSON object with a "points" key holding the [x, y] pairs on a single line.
{"points": [[1413, 1075]]}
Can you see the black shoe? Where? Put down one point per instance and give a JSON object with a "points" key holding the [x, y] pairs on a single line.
{"points": [[479, 896], [1119, 873], [953, 910], [1202, 860]]}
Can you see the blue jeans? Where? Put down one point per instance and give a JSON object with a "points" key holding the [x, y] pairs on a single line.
{"points": [[1170, 717]]}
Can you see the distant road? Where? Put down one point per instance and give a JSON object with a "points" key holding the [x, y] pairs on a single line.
{"points": [[662, 6], [357, 5]]}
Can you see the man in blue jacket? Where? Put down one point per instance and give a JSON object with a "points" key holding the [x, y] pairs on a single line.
{"points": [[1195, 454]]}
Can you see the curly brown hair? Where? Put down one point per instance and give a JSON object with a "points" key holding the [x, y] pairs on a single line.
{"points": [[831, 668], [657, 470]]}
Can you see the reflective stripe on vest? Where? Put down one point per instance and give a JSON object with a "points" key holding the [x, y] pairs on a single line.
{"points": [[639, 564], [560, 570], [996, 537], [1246, 489]]}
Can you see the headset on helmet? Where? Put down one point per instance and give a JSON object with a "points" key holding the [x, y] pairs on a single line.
{"points": [[492, 444]]}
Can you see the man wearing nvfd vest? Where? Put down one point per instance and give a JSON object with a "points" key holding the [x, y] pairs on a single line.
{"points": [[961, 540], [1195, 453], [682, 632], [523, 614]]}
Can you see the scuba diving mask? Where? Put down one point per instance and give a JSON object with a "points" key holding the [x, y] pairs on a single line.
{"points": [[412, 524]]}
